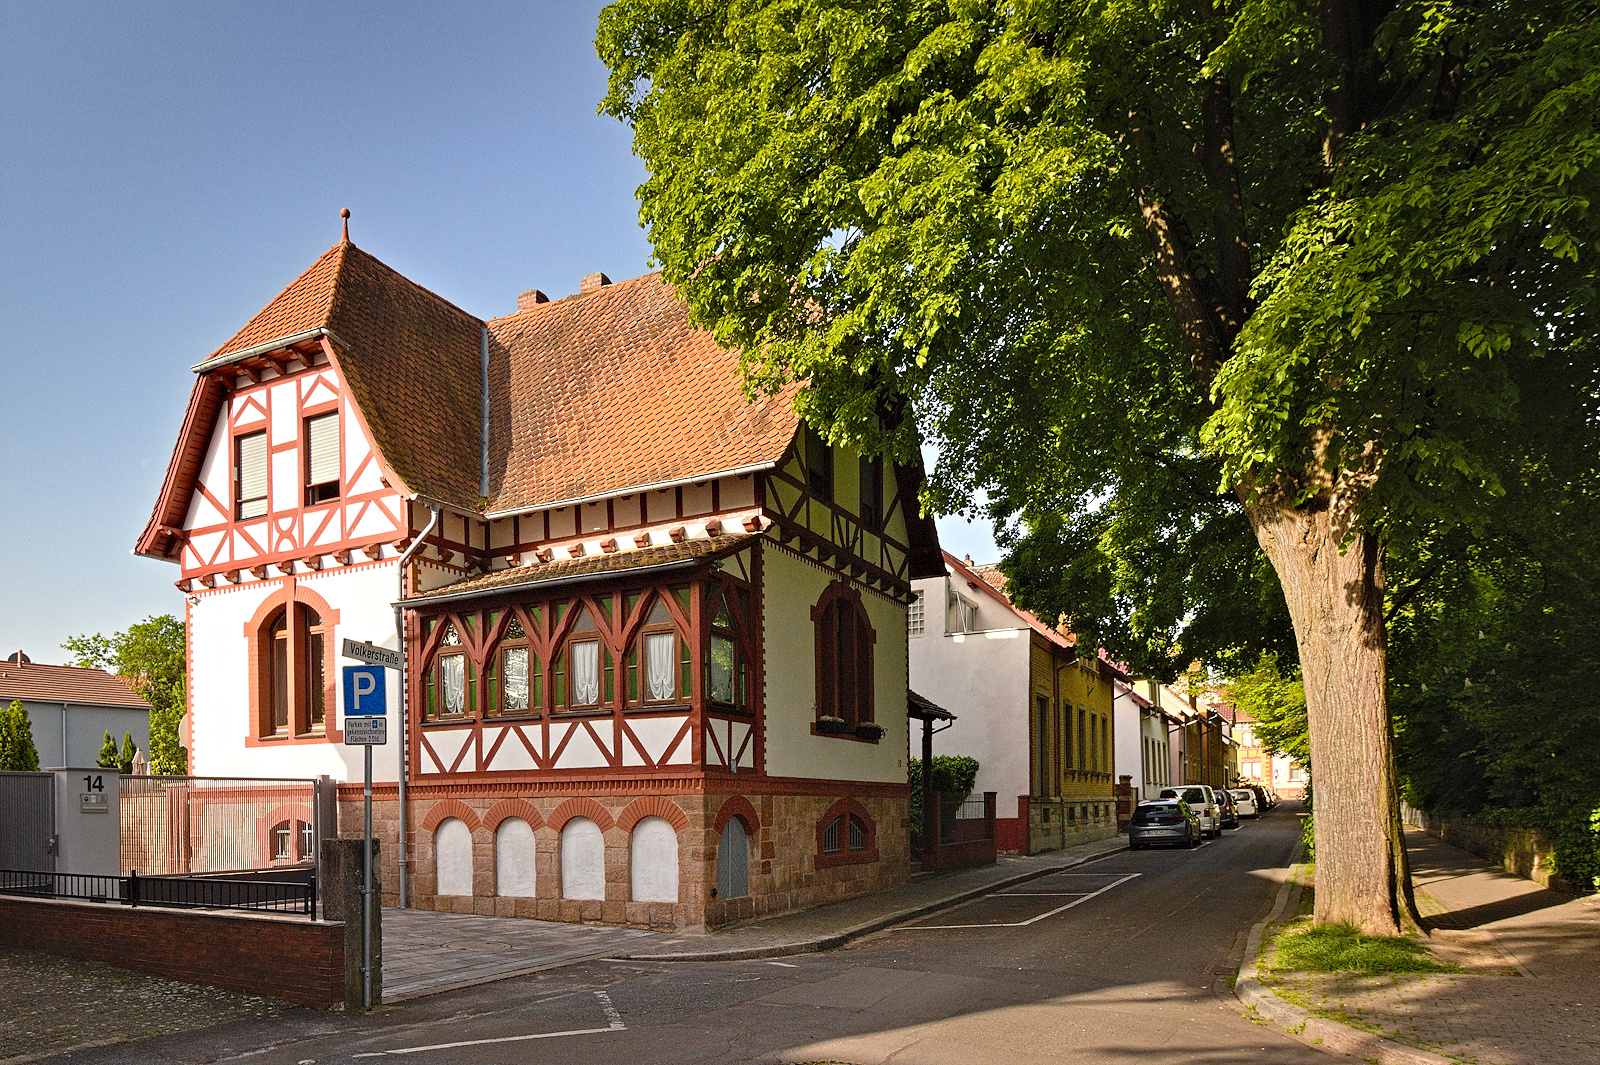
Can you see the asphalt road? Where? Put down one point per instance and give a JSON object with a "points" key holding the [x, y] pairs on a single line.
{"points": [[1128, 958]]}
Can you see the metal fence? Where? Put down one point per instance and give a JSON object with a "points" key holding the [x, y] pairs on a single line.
{"points": [[295, 896], [964, 821], [27, 820], [175, 826]]}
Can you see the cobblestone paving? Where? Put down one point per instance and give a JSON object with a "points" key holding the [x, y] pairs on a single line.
{"points": [[50, 1004], [1531, 992]]}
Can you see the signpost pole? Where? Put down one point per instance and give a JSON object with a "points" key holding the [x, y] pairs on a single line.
{"points": [[366, 880]]}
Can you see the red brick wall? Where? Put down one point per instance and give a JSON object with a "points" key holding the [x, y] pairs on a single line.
{"points": [[279, 957]]}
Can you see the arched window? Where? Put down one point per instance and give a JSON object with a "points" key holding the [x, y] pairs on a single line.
{"points": [[451, 685], [727, 664], [844, 639], [846, 835], [514, 675], [582, 676], [293, 661], [658, 662], [291, 841], [733, 861]]}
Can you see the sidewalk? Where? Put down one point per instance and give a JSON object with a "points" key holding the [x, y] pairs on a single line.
{"points": [[1531, 984], [826, 927]]}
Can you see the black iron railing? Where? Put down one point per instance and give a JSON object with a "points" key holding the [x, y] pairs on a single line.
{"points": [[186, 892]]}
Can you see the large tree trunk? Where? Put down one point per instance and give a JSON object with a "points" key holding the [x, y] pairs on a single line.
{"points": [[1336, 604]]}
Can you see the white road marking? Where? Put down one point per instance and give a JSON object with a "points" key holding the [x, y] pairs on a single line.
{"points": [[1018, 924], [1034, 894], [606, 1007], [784, 964]]}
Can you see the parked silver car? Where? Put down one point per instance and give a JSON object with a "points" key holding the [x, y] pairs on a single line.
{"points": [[1203, 801], [1163, 821], [1245, 799]]}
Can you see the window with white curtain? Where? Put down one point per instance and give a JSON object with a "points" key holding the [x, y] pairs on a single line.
{"points": [[516, 678], [658, 663], [585, 673], [453, 679]]}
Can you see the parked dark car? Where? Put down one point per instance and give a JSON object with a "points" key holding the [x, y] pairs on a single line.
{"points": [[1229, 808], [1264, 801], [1164, 821]]}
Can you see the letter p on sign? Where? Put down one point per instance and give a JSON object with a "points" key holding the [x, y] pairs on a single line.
{"points": [[365, 694]]}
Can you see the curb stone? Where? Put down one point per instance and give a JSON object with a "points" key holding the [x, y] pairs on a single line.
{"points": [[818, 944], [1325, 1034]]}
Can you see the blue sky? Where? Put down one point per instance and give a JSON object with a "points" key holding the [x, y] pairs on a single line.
{"points": [[169, 168]]}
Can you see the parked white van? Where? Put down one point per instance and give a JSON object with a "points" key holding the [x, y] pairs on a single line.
{"points": [[1203, 801]]}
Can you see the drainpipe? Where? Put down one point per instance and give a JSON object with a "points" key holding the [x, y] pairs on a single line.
{"points": [[64, 761], [400, 634]]}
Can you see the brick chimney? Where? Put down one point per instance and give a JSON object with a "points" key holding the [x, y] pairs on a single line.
{"points": [[594, 283], [531, 299]]}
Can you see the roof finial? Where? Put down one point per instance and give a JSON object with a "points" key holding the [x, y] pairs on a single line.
{"points": [[344, 213]]}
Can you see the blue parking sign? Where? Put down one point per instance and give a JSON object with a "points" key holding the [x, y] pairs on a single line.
{"points": [[365, 694]]}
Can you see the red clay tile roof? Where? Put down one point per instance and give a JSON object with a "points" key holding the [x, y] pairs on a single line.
{"points": [[614, 389], [564, 568], [65, 684]]}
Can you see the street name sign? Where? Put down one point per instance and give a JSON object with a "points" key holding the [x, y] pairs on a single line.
{"points": [[366, 731], [371, 654]]}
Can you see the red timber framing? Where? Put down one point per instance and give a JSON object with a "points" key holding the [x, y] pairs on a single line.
{"points": [[464, 723], [239, 399], [868, 555]]}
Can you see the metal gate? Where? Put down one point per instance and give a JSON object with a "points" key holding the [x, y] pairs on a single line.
{"points": [[27, 821]]}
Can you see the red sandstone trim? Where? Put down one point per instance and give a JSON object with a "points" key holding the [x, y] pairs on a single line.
{"points": [[443, 811], [580, 807], [509, 808], [845, 856], [737, 806], [652, 806]]}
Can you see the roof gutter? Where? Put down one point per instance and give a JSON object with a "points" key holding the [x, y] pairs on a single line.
{"points": [[581, 578], [656, 486], [264, 347]]}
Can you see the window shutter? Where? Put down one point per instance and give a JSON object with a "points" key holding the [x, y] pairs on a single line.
{"points": [[322, 441], [252, 472], [827, 667]]}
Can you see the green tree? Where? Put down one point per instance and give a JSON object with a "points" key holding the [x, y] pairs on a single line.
{"points": [[1276, 699], [129, 751], [108, 757], [1155, 276], [17, 752], [150, 656]]}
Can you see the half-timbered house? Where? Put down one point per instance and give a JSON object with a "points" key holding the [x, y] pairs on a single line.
{"points": [[655, 631]]}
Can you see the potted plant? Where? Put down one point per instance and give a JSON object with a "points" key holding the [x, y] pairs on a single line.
{"points": [[833, 725], [870, 730]]}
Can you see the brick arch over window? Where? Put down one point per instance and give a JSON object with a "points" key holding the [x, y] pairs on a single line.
{"points": [[737, 806], [582, 807], [843, 812], [296, 814], [508, 808], [652, 806], [845, 678], [442, 811], [295, 597]]}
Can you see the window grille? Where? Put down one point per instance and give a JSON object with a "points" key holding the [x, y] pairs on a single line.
{"points": [[858, 834], [282, 842], [915, 620], [830, 837]]}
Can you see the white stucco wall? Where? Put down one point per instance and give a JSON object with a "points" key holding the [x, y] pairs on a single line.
{"points": [[1128, 746], [452, 849], [515, 859], [219, 660], [791, 588], [653, 861], [583, 860], [982, 678]]}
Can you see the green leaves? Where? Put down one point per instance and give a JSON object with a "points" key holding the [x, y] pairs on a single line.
{"points": [[150, 655]]}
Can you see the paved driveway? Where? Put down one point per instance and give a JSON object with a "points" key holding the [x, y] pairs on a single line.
{"points": [[425, 953]]}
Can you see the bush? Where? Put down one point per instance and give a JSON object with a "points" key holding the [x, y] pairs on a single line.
{"points": [[17, 752], [108, 757], [953, 774]]}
